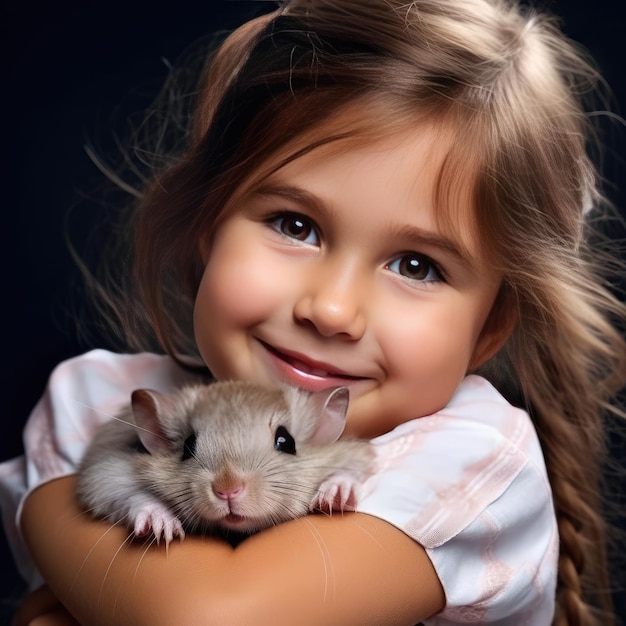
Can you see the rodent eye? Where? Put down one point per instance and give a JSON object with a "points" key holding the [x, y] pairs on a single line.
{"points": [[189, 447], [283, 441]]}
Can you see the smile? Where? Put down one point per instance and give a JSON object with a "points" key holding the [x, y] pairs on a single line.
{"points": [[307, 373]]}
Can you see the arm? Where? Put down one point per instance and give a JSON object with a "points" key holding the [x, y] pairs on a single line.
{"points": [[350, 569]]}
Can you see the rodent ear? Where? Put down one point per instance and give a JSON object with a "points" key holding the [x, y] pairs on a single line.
{"points": [[332, 410], [148, 407]]}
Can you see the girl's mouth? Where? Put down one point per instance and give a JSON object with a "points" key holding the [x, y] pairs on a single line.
{"points": [[306, 373]]}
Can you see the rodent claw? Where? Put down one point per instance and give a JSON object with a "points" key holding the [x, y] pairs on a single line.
{"points": [[161, 521], [338, 493]]}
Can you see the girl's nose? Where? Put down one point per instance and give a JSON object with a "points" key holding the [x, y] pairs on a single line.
{"points": [[332, 303]]}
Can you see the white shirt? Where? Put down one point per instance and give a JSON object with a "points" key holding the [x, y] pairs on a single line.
{"points": [[468, 483]]}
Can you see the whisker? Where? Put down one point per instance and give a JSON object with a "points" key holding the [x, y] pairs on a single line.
{"points": [[80, 569], [119, 419], [106, 573], [370, 535], [91, 408], [129, 539], [148, 544], [328, 566]]}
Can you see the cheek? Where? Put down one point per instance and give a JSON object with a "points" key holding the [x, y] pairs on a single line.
{"points": [[430, 340], [429, 356], [236, 287], [226, 306], [225, 295], [214, 300]]}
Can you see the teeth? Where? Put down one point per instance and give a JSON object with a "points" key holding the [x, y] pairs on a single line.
{"points": [[308, 370]]}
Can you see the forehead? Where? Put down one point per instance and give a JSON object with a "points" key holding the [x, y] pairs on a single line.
{"points": [[394, 174], [423, 158]]}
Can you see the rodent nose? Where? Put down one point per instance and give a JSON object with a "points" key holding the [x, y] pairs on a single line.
{"points": [[229, 492]]}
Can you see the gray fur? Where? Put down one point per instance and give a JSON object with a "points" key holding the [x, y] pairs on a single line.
{"points": [[156, 491]]}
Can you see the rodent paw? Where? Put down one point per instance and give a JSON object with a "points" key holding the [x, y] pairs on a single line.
{"points": [[338, 493], [159, 520]]}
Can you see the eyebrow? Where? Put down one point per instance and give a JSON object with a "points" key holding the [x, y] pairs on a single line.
{"points": [[291, 193], [404, 231], [435, 240]]}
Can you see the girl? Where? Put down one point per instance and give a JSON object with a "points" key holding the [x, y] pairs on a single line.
{"points": [[393, 197]]}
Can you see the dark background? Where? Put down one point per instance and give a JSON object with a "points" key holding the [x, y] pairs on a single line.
{"points": [[73, 71]]}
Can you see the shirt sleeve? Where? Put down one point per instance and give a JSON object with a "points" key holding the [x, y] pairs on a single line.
{"points": [[469, 484], [81, 394]]}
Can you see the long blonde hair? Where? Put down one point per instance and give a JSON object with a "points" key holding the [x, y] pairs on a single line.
{"points": [[512, 88]]}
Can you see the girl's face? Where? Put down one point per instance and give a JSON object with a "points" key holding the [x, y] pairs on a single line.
{"points": [[333, 272]]}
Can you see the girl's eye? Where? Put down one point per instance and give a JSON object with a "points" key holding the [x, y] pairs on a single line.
{"points": [[296, 226], [416, 267]]}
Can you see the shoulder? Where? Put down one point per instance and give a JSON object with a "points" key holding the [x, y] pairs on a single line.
{"points": [[451, 465], [104, 370], [81, 394], [85, 390], [469, 484]]}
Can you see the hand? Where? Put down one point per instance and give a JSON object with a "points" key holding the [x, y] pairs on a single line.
{"points": [[42, 608]]}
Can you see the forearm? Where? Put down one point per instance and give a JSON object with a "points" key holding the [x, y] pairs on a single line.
{"points": [[96, 572], [348, 570]]}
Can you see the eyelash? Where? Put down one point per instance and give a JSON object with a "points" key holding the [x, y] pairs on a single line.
{"points": [[278, 222]]}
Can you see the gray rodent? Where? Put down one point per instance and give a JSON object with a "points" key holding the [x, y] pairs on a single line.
{"points": [[235, 456]]}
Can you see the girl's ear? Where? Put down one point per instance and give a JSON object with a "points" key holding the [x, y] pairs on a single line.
{"points": [[498, 327]]}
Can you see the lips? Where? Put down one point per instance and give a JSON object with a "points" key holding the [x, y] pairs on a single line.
{"points": [[309, 374], [308, 366]]}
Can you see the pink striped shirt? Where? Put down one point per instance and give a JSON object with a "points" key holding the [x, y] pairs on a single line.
{"points": [[468, 483]]}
